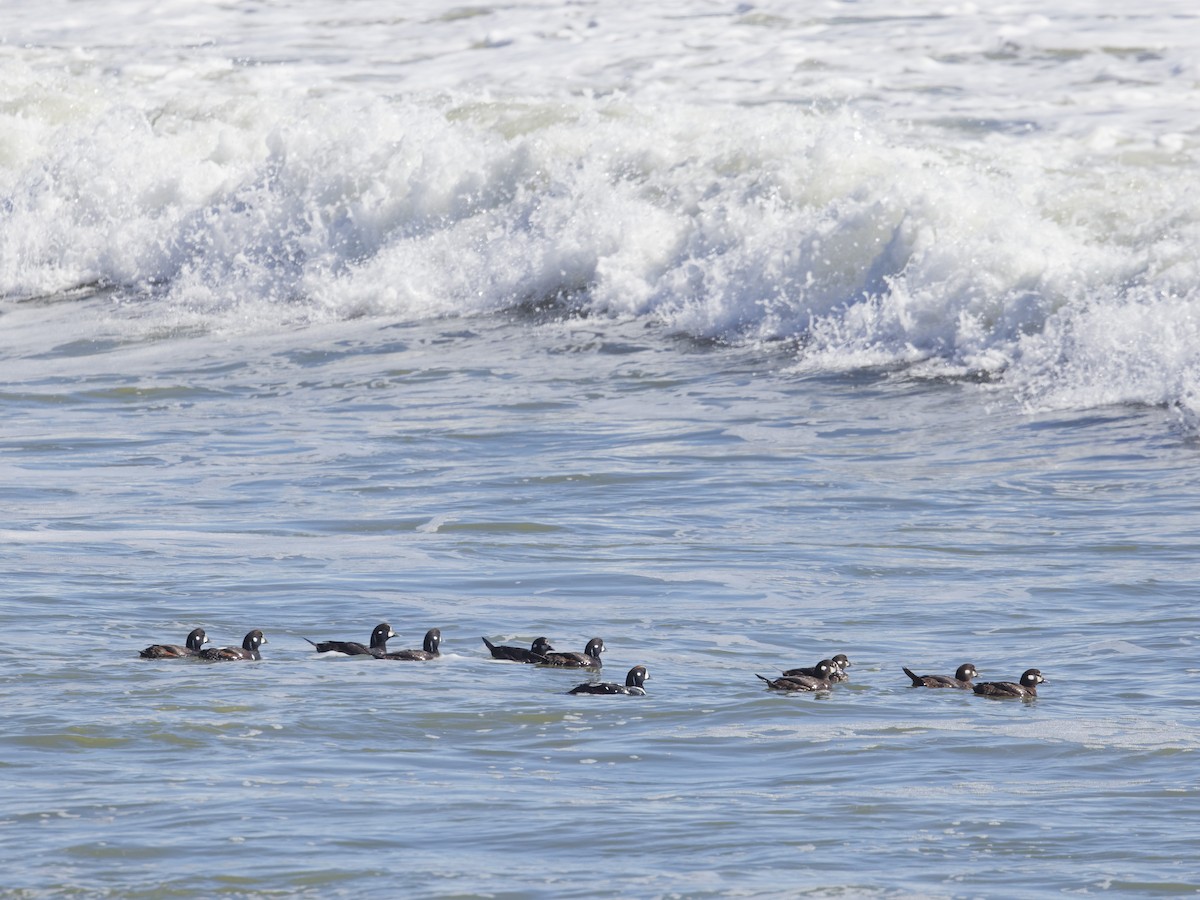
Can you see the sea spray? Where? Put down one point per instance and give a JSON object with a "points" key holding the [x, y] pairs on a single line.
{"points": [[209, 196]]}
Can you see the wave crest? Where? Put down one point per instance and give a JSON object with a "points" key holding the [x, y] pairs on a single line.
{"points": [[1017, 255]]}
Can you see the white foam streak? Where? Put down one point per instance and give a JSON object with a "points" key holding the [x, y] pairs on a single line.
{"points": [[1138, 350]]}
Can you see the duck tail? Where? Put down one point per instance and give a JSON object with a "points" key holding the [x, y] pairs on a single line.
{"points": [[916, 679]]}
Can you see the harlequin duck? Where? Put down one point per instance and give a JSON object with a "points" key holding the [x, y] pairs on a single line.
{"points": [[433, 640], [1026, 690], [961, 679], [535, 654], [588, 659], [840, 664], [195, 643], [249, 649], [818, 682], [634, 682], [379, 639]]}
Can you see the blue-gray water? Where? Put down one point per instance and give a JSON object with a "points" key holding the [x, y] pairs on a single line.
{"points": [[707, 510], [738, 334]]}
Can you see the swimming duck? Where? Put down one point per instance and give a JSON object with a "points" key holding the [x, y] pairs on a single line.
{"points": [[433, 640], [818, 682], [960, 679], [378, 646], [588, 659], [535, 654], [634, 682], [841, 663], [1026, 690], [195, 643], [249, 649]]}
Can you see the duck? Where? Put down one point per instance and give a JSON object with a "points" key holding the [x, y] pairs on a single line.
{"points": [[377, 647], [196, 640], [635, 680], [535, 654], [433, 640], [841, 663], [1025, 690], [588, 659], [960, 679], [249, 649], [818, 682]]}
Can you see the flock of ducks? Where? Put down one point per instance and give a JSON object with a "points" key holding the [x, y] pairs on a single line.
{"points": [[821, 677], [540, 653], [829, 672]]}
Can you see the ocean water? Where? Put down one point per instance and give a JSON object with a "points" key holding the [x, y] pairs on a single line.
{"points": [[736, 334]]}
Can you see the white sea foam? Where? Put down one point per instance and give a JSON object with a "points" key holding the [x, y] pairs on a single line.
{"points": [[954, 190]]}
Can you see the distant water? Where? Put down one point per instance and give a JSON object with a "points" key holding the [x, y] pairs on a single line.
{"points": [[736, 334]]}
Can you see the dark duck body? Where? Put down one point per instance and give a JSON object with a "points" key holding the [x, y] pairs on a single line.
{"points": [[249, 649], [377, 647], [433, 640], [961, 679], [1026, 690], [194, 644], [588, 659], [634, 684], [818, 682], [841, 663], [535, 654]]}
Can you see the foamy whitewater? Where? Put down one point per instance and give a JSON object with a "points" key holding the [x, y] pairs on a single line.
{"points": [[736, 333], [1007, 193]]}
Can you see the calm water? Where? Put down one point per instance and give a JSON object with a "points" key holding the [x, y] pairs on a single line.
{"points": [[736, 335]]}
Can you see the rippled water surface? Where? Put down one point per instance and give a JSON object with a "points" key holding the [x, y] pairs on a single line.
{"points": [[736, 334], [708, 511]]}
